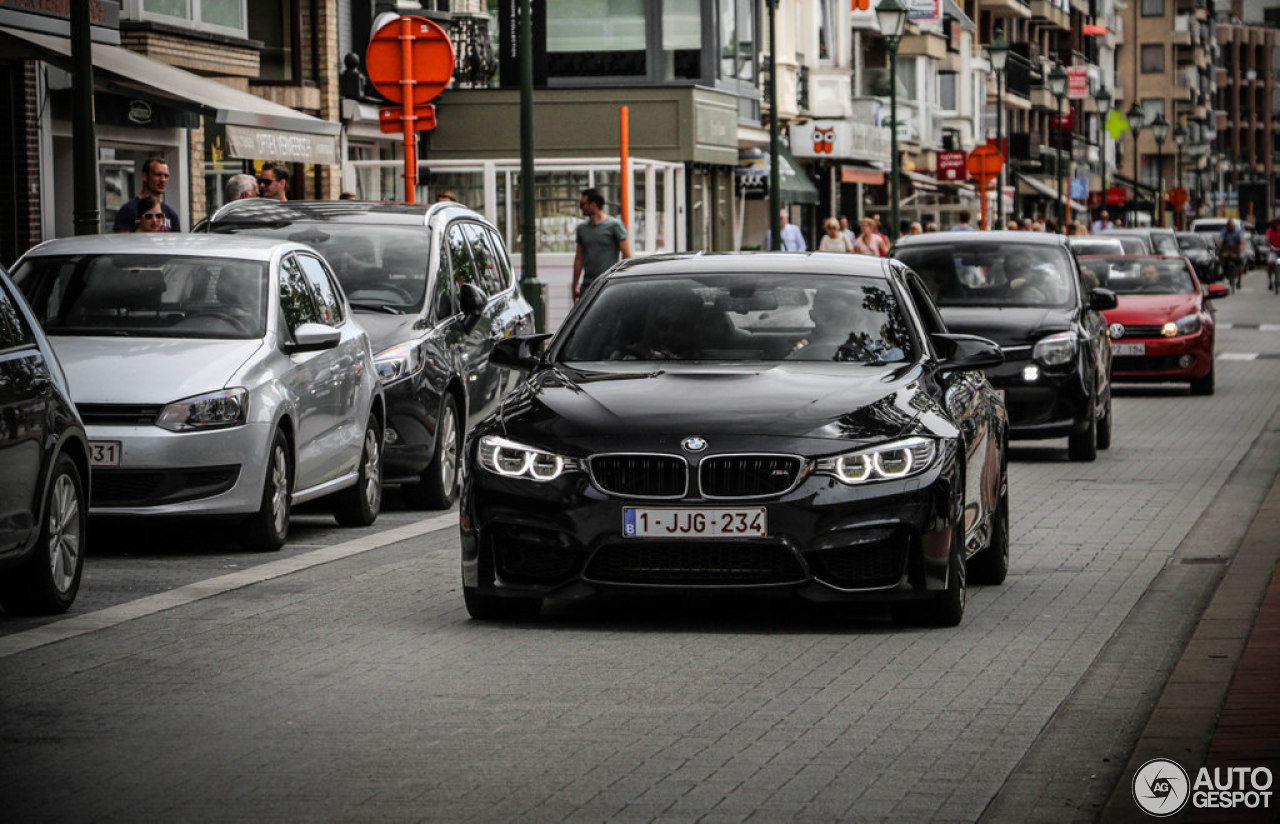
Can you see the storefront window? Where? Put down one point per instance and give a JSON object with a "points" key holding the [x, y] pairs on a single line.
{"points": [[595, 38]]}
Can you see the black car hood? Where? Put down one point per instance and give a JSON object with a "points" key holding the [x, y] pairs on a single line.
{"points": [[657, 405], [1007, 326], [386, 330]]}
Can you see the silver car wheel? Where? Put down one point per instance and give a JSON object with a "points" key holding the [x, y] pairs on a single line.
{"points": [[449, 443], [279, 489], [373, 468], [64, 533]]}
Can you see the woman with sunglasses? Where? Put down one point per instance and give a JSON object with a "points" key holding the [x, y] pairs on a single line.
{"points": [[150, 216]]}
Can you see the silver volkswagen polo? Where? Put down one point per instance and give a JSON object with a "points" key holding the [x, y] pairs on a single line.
{"points": [[217, 376]]}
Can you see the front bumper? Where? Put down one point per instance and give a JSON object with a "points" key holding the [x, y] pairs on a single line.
{"points": [[1056, 403], [1165, 359], [163, 473], [826, 541]]}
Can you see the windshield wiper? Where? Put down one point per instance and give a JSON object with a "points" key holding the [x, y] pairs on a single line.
{"points": [[377, 307]]}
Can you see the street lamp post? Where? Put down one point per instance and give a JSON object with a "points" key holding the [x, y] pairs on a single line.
{"points": [[1179, 142], [1102, 97], [1137, 117], [892, 16], [1058, 88], [998, 54], [1160, 130]]}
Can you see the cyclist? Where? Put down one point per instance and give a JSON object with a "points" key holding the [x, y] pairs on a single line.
{"points": [[1273, 253], [1230, 242]]}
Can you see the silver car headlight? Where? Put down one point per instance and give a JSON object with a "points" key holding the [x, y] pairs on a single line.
{"points": [[1056, 349], [1185, 325], [212, 410], [515, 460], [886, 462], [398, 362]]}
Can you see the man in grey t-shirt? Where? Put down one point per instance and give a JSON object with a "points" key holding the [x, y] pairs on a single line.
{"points": [[601, 241]]}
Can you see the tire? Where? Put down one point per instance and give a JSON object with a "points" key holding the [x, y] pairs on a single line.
{"points": [[360, 504], [947, 607], [267, 529], [991, 564], [1083, 446], [47, 582], [438, 484], [492, 608], [1204, 385], [1104, 427]]}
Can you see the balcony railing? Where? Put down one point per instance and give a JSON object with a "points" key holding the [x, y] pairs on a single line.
{"points": [[1019, 75]]}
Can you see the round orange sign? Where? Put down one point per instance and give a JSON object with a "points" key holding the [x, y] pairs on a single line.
{"points": [[431, 54]]}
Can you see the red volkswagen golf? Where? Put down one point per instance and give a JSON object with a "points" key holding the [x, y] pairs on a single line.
{"points": [[1162, 328]]}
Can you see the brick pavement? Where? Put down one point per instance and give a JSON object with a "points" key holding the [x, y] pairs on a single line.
{"points": [[357, 690]]}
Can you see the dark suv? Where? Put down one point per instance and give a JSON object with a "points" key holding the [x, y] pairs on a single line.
{"points": [[1025, 291], [44, 469], [434, 288]]}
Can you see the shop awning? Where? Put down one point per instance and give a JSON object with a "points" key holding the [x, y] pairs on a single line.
{"points": [[1047, 191], [861, 174], [922, 183], [256, 128], [794, 185]]}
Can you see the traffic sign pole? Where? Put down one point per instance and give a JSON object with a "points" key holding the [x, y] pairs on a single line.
{"points": [[407, 82]]}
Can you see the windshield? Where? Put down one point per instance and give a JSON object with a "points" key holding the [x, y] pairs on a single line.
{"points": [[380, 267], [742, 317], [1096, 246], [1140, 276], [156, 296], [1166, 244], [1189, 241], [993, 274]]}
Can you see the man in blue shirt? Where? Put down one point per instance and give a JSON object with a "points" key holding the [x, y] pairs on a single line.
{"points": [[155, 179], [963, 225], [792, 238]]}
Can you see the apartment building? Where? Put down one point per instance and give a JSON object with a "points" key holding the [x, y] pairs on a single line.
{"points": [[1246, 148]]}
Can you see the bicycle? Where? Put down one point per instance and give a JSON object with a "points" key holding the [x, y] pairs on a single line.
{"points": [[1231, 271]]}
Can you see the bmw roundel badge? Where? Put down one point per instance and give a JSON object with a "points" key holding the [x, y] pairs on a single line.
{"points": [[693, 444]]}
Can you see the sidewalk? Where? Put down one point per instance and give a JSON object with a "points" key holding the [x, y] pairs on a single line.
{"points": [[1221, 705]]}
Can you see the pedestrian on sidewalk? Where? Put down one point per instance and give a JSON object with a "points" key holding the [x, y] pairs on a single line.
{"points": [[601, 241], [155, 179]]}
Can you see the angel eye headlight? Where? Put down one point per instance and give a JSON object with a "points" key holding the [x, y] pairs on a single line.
{"points": [[890, 461], [515, 460]]}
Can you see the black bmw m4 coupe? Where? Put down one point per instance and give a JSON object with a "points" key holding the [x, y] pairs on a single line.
{"points": [[769, 423]]}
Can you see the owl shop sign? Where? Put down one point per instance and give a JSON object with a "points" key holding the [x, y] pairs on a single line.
{"points": [[832, 139]]}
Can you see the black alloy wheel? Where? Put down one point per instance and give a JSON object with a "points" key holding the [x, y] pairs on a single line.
{"points": [[438, 484], [47, 582]]}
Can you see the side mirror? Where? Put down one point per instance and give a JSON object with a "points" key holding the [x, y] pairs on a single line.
{"points": [[312, 337], [967, 351], [1213, 291], [472, 299], [1102, 300], [518, 352]]}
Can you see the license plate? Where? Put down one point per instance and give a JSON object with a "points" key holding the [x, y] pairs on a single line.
{"points": [[693, 523], [104, 453], [1128, 349]]}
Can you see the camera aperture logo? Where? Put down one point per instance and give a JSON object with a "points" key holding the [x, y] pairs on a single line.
{"points": [[1160, 787]]}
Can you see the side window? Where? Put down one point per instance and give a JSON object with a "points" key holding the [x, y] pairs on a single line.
{"points": [[464, 268], [491, 280], [13, 330], [295, 298], [325, 292], [500, 257], [443, 301]]}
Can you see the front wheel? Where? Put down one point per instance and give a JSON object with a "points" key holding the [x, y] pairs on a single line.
{"points": [[438, 484], [991, 564], [1083, 445], [47, 583], [1204, 385], [267, 529], [359, 505]]}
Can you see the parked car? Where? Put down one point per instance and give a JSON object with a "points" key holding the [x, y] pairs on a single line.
{"points": [[1156, 241], [434, 287], [1024, 291], [217, 377], [44, 469], [1162, 328], [674, 436], [1095, 245], [1202, 253]]}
